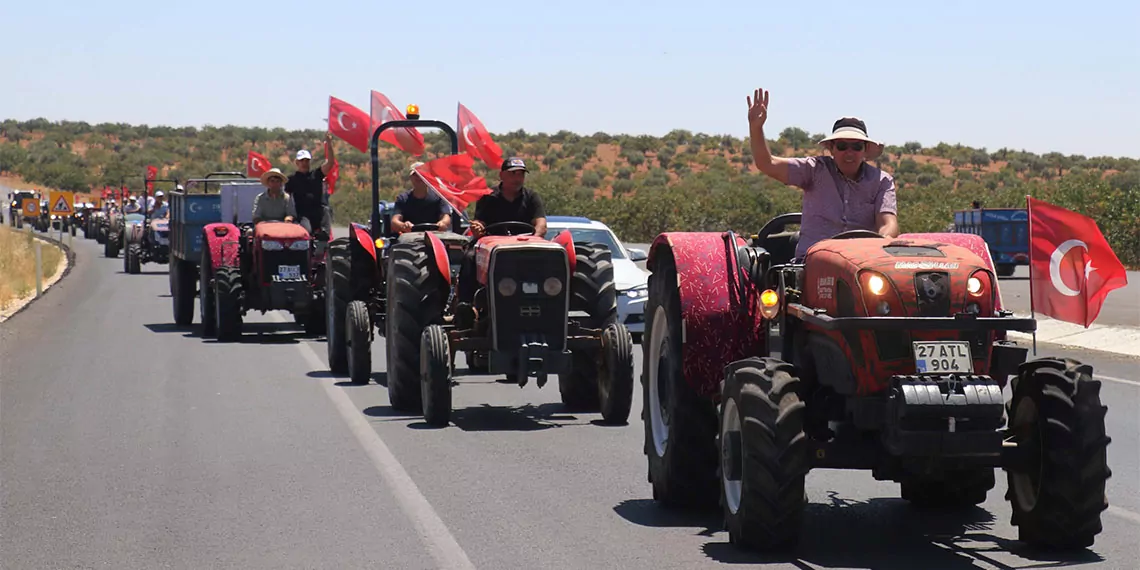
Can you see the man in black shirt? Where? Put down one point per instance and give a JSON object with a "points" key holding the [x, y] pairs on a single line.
{"points": [[420, 206], [510, 201], [306, 186]]}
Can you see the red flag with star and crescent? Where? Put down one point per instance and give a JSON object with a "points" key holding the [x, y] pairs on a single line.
{"points": [[151, 174], [1072, 268], [256, 164], [454, 177], [476, 141], [349, 123], [406, 139]]}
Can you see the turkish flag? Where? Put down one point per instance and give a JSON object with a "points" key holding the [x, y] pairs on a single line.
{"points": [[454, 177], [151, 174], [406, 139], [476, 141], [1072, 268], [256, 164], [332, 176], [349, 124]]}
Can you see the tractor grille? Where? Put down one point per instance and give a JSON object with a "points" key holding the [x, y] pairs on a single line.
{"points": [[271, 261], [529, 310], [932, 292]]}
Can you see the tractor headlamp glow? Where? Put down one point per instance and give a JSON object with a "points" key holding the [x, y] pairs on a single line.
{"points": [[876, 284], [507, 286], [974, 286], [379, 243]]}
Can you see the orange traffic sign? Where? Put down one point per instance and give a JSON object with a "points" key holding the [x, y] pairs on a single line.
{"points": [[62, 203]]}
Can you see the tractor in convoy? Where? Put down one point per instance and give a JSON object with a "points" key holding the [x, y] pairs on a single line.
{"points": [[245, 267], [542, 307], [16, 217], [146, 240], [892, 358]]}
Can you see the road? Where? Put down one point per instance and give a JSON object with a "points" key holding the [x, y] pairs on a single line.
{"points": [[131, 443]]}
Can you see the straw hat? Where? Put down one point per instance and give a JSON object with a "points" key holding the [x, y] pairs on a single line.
{"points": [[852, 128]]}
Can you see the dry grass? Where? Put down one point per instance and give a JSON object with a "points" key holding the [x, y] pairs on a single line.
{"points": [[18, 264]]}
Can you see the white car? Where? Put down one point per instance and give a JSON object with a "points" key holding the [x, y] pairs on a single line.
{"points": [[632, 282]]}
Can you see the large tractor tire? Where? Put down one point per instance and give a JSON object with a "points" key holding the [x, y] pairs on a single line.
{"points": [[764, 455], [680, 425], [111, 245], [1059, 494], [416, 295], [348, 277], [228, 303], [207, 301], [182, 291], [592, 290]]}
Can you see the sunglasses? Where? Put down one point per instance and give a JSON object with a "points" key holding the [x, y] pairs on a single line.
{"points": [[844, 145]]}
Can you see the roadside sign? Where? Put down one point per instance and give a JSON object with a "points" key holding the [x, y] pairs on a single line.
{"points": [[31, 208], [62, 203]]}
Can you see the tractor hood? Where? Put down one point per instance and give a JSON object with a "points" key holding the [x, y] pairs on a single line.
{"points": [[895, 255]]}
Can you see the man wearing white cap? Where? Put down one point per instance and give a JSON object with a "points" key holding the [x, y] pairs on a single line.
{"points": [[841, 192], [420, 206], [306, 186], [159, 208]]}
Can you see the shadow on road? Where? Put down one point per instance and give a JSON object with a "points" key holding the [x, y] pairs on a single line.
{"points": [[380, 378], [881, 533], [147, 273], [506, 418]]}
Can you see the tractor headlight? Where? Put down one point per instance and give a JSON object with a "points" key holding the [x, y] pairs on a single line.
{"points": [[552, 286], [877, 284], [974, 286], [54, 217], [507, 286], [299, 245], [270, 245], [637, 292]]}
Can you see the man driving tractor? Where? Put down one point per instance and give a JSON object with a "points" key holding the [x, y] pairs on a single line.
{"points": [[420, 206], [842, 191], [510, 201], [273, 204]]}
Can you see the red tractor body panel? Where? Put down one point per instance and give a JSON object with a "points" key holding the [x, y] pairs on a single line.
{"points": [[223, 241], [364, 238], [716, 329], [484, 247], [439, 255], [837, 278]]}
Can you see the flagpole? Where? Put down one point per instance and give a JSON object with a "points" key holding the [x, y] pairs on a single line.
{"points": [[1032, 308]]}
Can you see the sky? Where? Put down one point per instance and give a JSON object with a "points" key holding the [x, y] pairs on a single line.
{"points": [[1041, 76]]}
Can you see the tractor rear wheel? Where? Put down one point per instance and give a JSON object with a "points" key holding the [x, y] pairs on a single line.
{"points": [[228, 303], [764, 454], [416, 296], [206, 301], [1059, 494], [357, 329], [338, 270], [182, 291], [680, 425], [592, 290]]}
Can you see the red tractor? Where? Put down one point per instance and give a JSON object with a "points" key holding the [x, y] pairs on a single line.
{"points": [[267, 267], [892, 359]]}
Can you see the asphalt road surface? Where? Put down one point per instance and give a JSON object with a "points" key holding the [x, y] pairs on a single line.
{"points": [[130, 443]]}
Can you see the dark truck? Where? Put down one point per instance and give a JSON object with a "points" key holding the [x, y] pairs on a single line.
{"points": [[190, 213], [1005, 230], [16, 207]]}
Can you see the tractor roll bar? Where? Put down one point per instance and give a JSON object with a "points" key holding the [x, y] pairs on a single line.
{"points": [[374, 152]]}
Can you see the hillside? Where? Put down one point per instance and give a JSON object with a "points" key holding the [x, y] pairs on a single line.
{"points": [[641, 185]]}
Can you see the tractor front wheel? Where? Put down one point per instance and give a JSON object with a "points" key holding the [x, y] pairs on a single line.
{"points": [[134, 259], [228, 303], [435, 376], [615, 383], [359, 346], [1056, 415]]}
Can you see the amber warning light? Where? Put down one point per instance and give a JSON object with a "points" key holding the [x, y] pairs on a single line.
{"points": [[413, 112]]}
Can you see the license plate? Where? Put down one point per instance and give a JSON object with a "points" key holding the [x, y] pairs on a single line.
{"points": [[943, 357], [289, 271]]}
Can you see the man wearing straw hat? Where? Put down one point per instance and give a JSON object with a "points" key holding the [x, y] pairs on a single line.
{"points": [[842, 191], [273, 205]]}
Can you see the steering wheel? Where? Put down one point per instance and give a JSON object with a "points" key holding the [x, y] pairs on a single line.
{"points": [[856, 234], [778, 225], [424, 228], [509, 229]]}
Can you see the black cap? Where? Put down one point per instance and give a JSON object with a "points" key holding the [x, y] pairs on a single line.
{"points": [[514, 163]]}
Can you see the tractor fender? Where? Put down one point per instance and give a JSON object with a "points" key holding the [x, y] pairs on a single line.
{"points": [[439, 254], [222, 239], [972, 242], [365, 239], [566, 240], [715, 329]]}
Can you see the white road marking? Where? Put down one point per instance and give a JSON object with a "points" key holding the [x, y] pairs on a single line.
{"points": [[436, 537], [1120, 380], [1124, 513]]}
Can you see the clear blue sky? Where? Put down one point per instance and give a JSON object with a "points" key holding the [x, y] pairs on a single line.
{"points": [[1041, 75]]}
